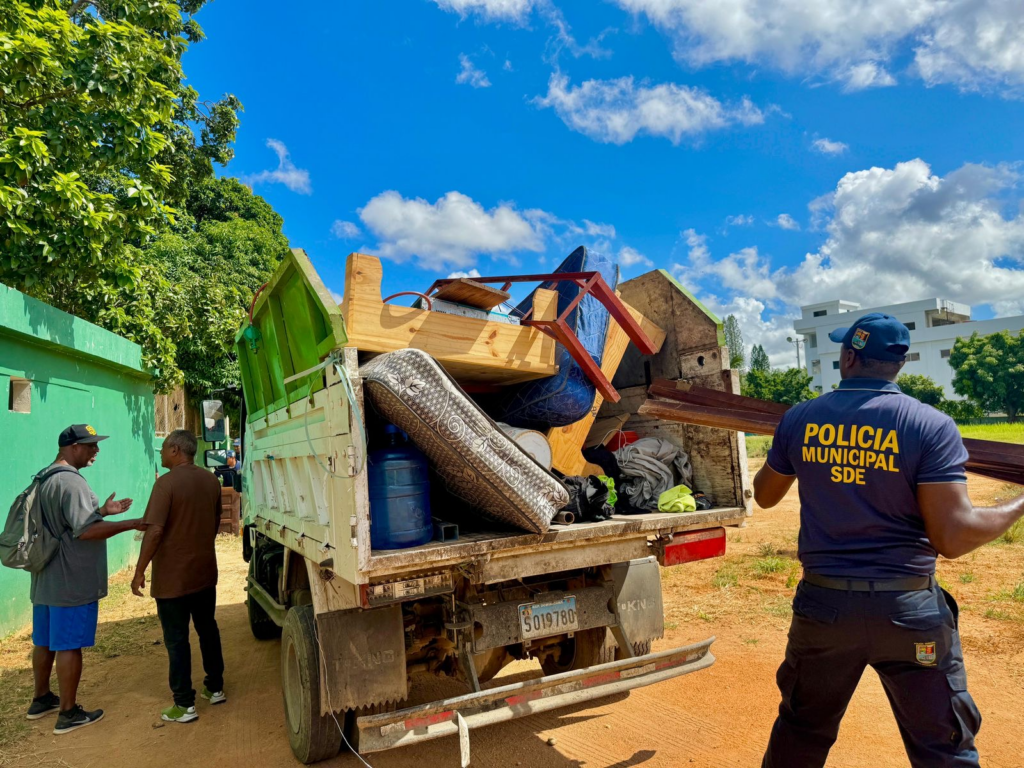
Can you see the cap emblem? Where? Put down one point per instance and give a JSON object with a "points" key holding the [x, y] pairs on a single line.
{"points": [[860, 339], [90, 430]]}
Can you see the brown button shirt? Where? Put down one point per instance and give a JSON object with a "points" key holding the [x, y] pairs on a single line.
{"points": [[186, 502]]}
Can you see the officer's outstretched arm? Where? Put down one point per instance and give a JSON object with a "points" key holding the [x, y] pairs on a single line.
{"points": [[770, 487], [955, 526]]}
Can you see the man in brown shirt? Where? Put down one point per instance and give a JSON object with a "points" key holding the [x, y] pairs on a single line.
{"points": [[182, 521]]}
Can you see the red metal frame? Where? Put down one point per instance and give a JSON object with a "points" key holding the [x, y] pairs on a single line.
{"points": [[559, 330]]}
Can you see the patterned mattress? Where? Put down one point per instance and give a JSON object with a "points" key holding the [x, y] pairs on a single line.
{"points": [[477, 461]]}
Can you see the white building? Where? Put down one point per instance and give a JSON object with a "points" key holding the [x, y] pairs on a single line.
{"points": [[935, 324]]}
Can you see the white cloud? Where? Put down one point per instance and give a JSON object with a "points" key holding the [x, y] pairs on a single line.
{"points": [[450, 232], [470, 75], [463, 273], [758, 327], [490, 10], [615, 111], [296, 179], [336, 296], [630, 257], [829, 147], [968, 43], [507, 66], [892, 235], [345, 230], [598, 230], [739, 221], [786, 221]]}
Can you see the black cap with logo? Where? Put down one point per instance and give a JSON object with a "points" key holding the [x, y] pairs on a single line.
{"points": [[79, 433]]}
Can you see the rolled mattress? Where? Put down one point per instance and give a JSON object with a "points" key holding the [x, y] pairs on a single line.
{"points": [[478, 462]]}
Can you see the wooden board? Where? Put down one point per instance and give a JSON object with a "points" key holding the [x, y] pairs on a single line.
{"points": [[567, 442], [472, 293], [471, 350]]}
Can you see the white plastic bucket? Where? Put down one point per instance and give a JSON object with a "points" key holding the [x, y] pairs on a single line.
{"points": [[531, 441]]}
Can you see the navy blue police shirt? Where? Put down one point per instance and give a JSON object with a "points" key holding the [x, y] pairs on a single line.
{"points": [[859, 453]]}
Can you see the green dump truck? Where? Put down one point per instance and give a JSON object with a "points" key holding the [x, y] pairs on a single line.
{"points": [[360, 628]]}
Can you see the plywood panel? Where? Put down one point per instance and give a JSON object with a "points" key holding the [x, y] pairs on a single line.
{"points": [[471, 350], [472, 293]]}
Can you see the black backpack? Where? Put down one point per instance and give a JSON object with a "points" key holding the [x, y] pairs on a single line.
{"points": [[26, 543]]}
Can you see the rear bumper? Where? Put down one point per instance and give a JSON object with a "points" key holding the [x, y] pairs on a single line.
{"points": [[430, 721]]}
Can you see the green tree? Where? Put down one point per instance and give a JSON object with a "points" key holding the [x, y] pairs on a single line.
{"points": [[734, 340], [789, 386], [921, 387], [100, 142], [759, 359], [990, 371]]}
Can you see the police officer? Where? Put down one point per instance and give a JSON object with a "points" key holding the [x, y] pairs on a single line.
{"points": [[882, 492]]}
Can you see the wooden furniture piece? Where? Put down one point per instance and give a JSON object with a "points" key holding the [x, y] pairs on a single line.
{"points": [[464, 290], [567, 442], [231, 507], [471, 350]]}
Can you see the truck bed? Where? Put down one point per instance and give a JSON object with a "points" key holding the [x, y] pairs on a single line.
{"points": [[489, 548]]}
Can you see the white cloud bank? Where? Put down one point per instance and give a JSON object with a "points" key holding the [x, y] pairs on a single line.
{"points": [[971, 44], [829, 147], [892, 235], [296, 179], [345, 230], [470, 75], [785, 221], [616, 111]]}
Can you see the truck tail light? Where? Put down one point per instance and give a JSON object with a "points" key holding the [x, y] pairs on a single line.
{"points": [[692, 545]]}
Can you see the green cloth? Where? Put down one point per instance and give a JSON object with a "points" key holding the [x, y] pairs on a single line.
{"points": [[612, 495], [678, 499]]}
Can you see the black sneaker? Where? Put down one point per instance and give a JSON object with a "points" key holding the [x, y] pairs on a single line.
{"points": [[44, 705], [76, 718]]}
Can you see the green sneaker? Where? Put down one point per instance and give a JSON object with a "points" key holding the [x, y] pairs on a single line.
{"points": [[178, 714], [214, 697]]}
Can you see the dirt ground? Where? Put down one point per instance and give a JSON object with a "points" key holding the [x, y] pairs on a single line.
{"points": [[717, 718]]}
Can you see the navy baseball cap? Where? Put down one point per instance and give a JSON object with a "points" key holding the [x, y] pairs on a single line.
{"points": [[877, 336], [79, 433]]}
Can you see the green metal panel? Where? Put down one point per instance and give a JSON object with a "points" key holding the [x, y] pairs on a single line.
{"points": [[297, 324], [78, 373]]}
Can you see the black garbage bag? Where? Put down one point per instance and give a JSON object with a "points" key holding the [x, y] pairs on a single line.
{"points": [[588, 498]]}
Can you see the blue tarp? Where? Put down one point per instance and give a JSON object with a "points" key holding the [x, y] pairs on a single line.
{"points": [[568, 396]]}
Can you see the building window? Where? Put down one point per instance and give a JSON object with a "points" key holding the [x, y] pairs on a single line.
{"points": [[817, 388], [20, 400], [835, 365], [913, 357], [945, 353], [911, 326], [816, 366], [820, 312]]}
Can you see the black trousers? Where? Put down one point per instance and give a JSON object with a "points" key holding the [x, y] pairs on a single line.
{"points": [[910, 639], [174, 613]]}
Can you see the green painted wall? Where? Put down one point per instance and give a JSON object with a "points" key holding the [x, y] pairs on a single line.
{"points": [[79, 373]]}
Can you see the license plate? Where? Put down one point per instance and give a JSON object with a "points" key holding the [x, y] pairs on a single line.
{"points": [[544, 619]]}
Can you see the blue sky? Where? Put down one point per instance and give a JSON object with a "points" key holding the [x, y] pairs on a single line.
{"points": [[767, 157]]}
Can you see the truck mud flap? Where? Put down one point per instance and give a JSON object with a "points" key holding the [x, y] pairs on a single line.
{"points": [[497, 705]]}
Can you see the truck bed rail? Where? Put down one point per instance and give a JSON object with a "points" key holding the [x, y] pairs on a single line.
{"points": [[497, 705]]}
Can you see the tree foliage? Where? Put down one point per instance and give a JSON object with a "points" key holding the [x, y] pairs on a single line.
{"points": [[734, 340], [789, 386], [990, 371], [759, 359], [922, 387], [100, 143]]}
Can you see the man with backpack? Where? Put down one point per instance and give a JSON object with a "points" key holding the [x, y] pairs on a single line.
{"points": [[66, 591]]}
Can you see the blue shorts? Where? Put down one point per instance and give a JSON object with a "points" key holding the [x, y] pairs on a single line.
{"points": [[65, 629]]}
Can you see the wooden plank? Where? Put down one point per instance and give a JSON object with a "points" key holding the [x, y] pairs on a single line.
{"points": [[687, 393], [473, 294], [567, 442], [471, 350]]}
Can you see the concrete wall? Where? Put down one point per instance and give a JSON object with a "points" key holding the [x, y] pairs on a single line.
{"points": [[78, 373]]}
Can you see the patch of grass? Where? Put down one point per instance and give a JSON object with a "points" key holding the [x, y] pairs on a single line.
{"points": [[758, 446], [781, 607], [672, 625], [725, 577], [1014, 534], [992, 613], [735, 538], [751, 641], [767, 549], [967, 577], [793, 579], [1004, 433], [943, 583], [767, 566], [1018, 592], [702, 614]]}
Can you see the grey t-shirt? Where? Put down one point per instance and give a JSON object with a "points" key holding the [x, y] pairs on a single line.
{"points": [[77, 575]]}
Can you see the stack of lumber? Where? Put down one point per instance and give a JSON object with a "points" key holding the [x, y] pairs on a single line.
{"points": [[678, 401]]}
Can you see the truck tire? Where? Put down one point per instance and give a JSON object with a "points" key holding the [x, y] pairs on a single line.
{"points": [[585, 649], [262, 626], [313, 737]]}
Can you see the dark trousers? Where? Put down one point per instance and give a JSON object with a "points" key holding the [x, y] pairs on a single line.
{"points": [[174, 613], [910, 639]]}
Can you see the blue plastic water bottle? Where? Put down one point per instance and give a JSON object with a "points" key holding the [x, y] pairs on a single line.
{"points": [[399, 494]]}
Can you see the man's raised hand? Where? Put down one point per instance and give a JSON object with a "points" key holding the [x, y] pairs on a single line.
{"points": [[112, 507]]}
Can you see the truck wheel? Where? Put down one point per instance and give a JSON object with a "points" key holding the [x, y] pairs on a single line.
{"points": [[262, 626], [585, 649], [313, 737]]}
